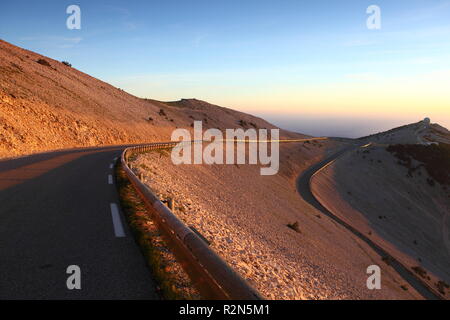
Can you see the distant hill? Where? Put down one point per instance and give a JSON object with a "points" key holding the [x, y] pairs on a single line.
{"points": [[422, 132], [397, 191]]}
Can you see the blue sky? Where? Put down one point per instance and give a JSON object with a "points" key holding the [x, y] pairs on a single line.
{"points": [[302, 64]]}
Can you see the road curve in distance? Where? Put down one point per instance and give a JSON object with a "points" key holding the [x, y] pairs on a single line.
{"points": [[303, 188]]}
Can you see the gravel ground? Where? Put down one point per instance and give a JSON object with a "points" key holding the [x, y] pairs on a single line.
{"points": [[245, 217]]}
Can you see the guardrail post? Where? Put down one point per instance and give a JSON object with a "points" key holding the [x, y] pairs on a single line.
{"points": [[171, 203]]}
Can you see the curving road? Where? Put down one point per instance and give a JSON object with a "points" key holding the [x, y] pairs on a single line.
{"points": [[59, 209], [303, 188]]}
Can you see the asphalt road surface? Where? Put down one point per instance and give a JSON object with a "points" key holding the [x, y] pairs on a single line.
{"points": [[305, 192], [60, 209]]}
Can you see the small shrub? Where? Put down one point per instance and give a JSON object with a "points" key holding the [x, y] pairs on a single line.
{"points": [[387, 260], [294, 226], [242, 123], [420, 271], [442, 286], [162, 113], [162, 152], [44, 62], [66, 63]]}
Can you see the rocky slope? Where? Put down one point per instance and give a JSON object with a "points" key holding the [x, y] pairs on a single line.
{"points": [[398, 195], [46, 105], [245, 216]]}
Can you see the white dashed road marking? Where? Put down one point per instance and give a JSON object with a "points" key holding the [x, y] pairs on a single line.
{"points": [[117, 223], [110, 179], [111, 165]]}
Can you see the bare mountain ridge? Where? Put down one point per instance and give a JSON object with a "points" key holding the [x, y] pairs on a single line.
{"points": [[422, 132], [47, 105]]}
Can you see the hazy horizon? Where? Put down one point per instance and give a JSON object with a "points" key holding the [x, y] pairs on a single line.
{"points": [[335, 127]]}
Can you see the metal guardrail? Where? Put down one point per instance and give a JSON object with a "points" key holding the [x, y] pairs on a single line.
{"points": [[210, 274]]}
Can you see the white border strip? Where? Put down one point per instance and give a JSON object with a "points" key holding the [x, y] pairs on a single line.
{"points": [[118, 228]]}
